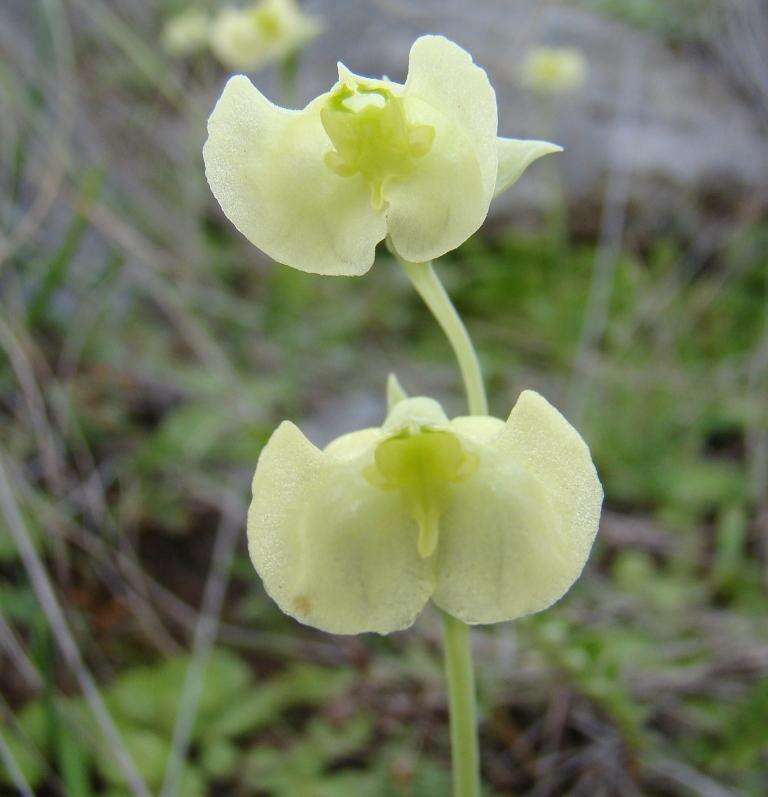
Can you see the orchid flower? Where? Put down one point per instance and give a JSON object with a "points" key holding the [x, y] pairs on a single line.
{"points": [[554, 70], [268, 31], [417, 163], [490, 520]]}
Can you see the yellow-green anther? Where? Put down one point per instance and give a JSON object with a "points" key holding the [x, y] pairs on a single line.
{"points": [[421, 465], [370, 132]]}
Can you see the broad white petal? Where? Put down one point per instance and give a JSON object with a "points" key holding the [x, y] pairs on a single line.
{"points": [[498, 545], [542, 440], [333, 551], [354, 445], [480, 429], [265, 167], [446, 199], [518, 533], [443, 75], [443, 201]]}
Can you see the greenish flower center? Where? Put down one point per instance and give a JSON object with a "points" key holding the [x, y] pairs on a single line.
{"points": [[421, 464], [371, 136], [549, 69], [268, 23]]}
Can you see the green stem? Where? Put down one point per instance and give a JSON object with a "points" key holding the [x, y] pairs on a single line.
{"points": [[458, 652], [289, 73], [431, 290], [461, 698]]}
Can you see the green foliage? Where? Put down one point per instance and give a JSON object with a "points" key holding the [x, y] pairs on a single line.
{"points": [[311, 766], [678, 21], [28, 745], [733, 742], [302, 768], [144, 702], [600, 662], [198, 433], [55, 270], [658, 588], [745, 736]]}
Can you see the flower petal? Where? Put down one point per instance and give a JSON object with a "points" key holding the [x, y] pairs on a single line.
{"points": [[354, 445], [498, 544], [333, 551], [517, 535], [443, 75], [480, 429], [541, 439], [515, 156], [265, 167], [446, 199], [443, 201]]}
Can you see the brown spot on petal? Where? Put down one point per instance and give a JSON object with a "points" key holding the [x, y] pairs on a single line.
{"points": [[301, 605]]}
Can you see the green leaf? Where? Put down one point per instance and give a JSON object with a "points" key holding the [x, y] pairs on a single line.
{"points": [[219, 758]]}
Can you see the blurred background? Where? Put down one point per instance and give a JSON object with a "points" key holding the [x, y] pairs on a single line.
{"points": [[147, 351]]}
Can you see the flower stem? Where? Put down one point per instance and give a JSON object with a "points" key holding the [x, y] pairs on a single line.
{"points": [[461, 698], [431, 290], [289, 71], [458, 653]]}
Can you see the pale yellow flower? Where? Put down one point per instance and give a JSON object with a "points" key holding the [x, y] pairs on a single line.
{"points": [[187, 32], [490, 520], [554, 69], [418, 162], [271, 30]]}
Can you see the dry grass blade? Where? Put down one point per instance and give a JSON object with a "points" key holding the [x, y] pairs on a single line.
{"points": [[232, 511], [680, 774], [18, 656], [53, 173], [43, 589], [13, 769]]}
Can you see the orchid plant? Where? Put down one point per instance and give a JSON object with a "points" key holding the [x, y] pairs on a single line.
{"points": [[490, 520]]}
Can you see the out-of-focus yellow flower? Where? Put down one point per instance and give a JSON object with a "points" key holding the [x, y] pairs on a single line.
{"points": [[271, 30], [554, 69], [491, 520], [187, 32], [317, 189]]}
